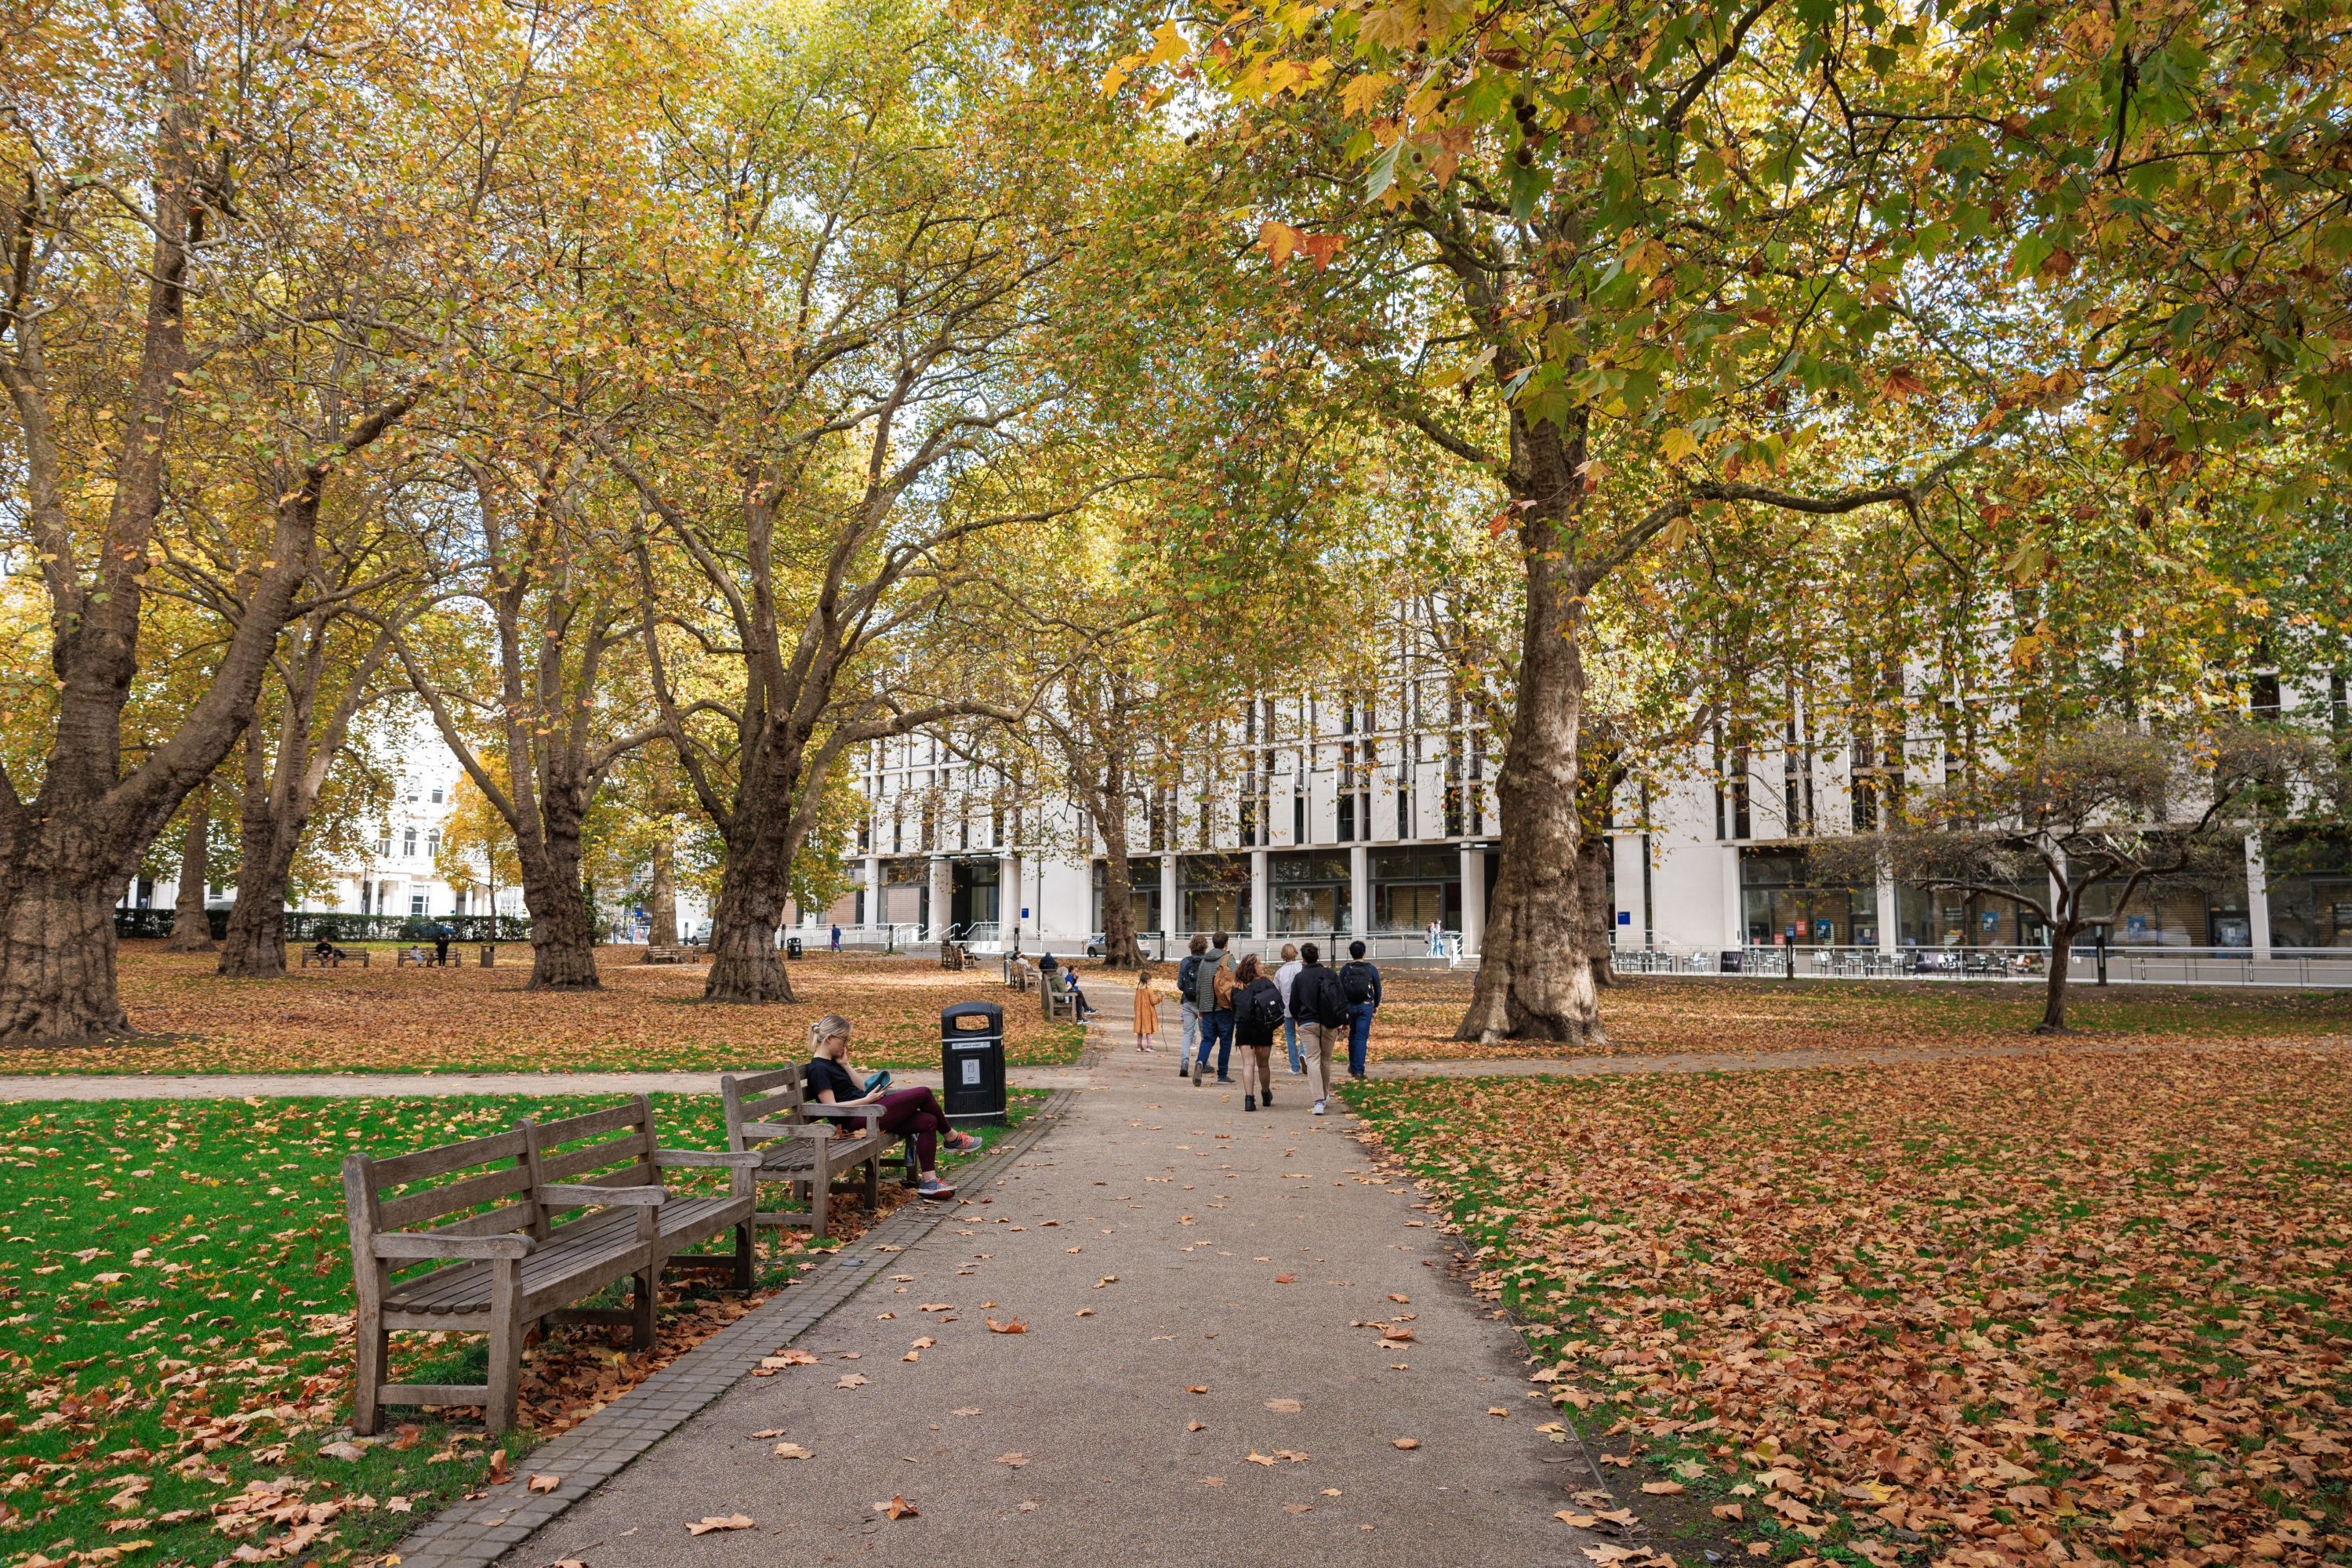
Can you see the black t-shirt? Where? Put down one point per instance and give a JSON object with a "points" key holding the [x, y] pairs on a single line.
{"points": [[824, 1073]]}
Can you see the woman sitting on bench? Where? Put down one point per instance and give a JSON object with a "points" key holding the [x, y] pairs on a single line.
{"points": [[914, 1114]]}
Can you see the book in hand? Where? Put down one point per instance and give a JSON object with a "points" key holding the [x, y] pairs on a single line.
{"points": [[877, 1082]]}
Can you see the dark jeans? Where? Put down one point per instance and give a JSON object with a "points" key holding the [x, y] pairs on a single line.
{"points": [[1359, 1037], [1218, 1027], [441, 954], [915, 1113]]}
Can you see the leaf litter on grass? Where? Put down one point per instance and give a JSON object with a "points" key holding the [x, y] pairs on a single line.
{"points": [[2086, 1305], [176, 1331]]}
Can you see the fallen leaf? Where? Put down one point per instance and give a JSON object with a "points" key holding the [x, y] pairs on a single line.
{"points": [[1406, 1443], [498, 1471], [770, 1432], [912, 1355], [1283, 1406], [1498, 1410], [1254, 1458], [792, 1451], [852, 1380], [1213, 1480], [1106, 1279], [1196, 1425], [967, 1410], [1286, 1279], [1015, 1460], [1581, 1520], [1083, 1313], [1015, 1327], [712, 1521], [926, 1342], [543, 1483], [1401, 1300], [346, 1452], [1298, 1507], [1196, 1388], [898, 1508], [1662, 1489]]}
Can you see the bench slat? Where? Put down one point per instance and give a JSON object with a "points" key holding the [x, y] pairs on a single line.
{"points": [[417, 1165], [563, 1167], [611, 1120], [400, 1213]]}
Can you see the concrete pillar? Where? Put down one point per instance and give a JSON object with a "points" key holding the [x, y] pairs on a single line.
{"points": [[1734, 913], [1008, 897], [1261, 904], [1890, 911], [1359, 889], [2258, 896], [1168, 920], [1473, 901], [942, 898]]}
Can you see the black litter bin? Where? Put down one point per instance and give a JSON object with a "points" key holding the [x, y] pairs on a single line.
{"points": [[972, 1062], [792, 947]]}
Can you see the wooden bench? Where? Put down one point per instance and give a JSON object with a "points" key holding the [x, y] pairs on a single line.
{"points": [[680, 954], [1019, 972], [1055, 996], [799, 1140], [548, 1239], [335, 959]]}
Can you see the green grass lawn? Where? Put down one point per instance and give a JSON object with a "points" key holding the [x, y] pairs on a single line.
{"points": [[175, 1297]]}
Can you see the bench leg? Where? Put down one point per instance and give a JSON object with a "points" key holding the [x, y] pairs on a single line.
{"points": [[367, 1410], [506, 1345], [874, 1180], [746, 1255], [820, 1197], [643, 1299]]}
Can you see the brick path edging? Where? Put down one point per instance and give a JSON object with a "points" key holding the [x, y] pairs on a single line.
{"points": [[474, 1532]]}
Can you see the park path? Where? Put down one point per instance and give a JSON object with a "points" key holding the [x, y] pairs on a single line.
{"points": [[370, 1086], [1196, 1285]]}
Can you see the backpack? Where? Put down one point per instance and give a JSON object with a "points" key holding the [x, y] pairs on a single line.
{"points": [[1356, 981], [1266, 1005], [1204, 982], [1221, 987], [1188, 968], [1322, 999]]}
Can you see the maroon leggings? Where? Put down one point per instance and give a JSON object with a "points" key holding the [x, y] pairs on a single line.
{"points": [[915, 1113]]}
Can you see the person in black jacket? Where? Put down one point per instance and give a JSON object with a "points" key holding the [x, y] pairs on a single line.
{"points": [[1257, 1013], [1321, 1009], [1360, 983]]}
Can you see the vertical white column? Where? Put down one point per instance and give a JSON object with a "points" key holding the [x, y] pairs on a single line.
{"points": [[1890, 911], [1261, 904], [1170, 922], [2258, 895], [1734, 913], [1473, 901], [1008, 898], [873, 889], [942, 898], [1359, 889]]}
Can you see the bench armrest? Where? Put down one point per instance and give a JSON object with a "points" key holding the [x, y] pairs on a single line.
{"points": [[740, 1160], [625, 1197], [412, 1244], [843, 1113]]}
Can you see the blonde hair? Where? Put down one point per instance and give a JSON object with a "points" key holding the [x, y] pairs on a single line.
{"points": [[1290, 951], [824, 1029]]}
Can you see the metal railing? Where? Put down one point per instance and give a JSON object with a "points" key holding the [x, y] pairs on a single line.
{"points": [[2306, 969]]}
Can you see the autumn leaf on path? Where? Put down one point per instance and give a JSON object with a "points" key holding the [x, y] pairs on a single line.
{"points": [[1083, 1313], [1662, 1489], [1283, 1406], [1196, 1425], [1016, 1459], [852, 1380], [1298, 1507], [498, 1471], [1254, 1458], [898, 1508], [543, 1483], [712, 1521], [1406, 1443], [1728, 1510], [1213, 1480], [792, 1451], [1581, 1520], [770, 1432], [1015, 1327], [1286, 1279]]}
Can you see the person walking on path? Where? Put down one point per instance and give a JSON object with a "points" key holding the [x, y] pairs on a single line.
{"points": [[1321, 1009], [1146, 1010], [1212, 995], [1187, 1017], [1257, 1008], [913, 1113], [837, 936], [1360, 981], [1282, 978]]}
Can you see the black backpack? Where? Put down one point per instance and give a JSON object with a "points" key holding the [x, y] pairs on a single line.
{"points": [[1266, 1005], [1356, 981], [1187, 968]]}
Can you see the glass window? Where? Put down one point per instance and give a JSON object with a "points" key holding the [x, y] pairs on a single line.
{"points": [[408, 841], [1781, 907], [1213, 893], [2310, 893]]}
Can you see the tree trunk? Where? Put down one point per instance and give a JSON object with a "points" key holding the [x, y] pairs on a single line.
{"points": [[2053, 995], [192, 930], [1120, 949], [751, 904], [57, 938], [1594, 853], [1535, 974], [254, 945], [563, 928], [661, 899]]}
